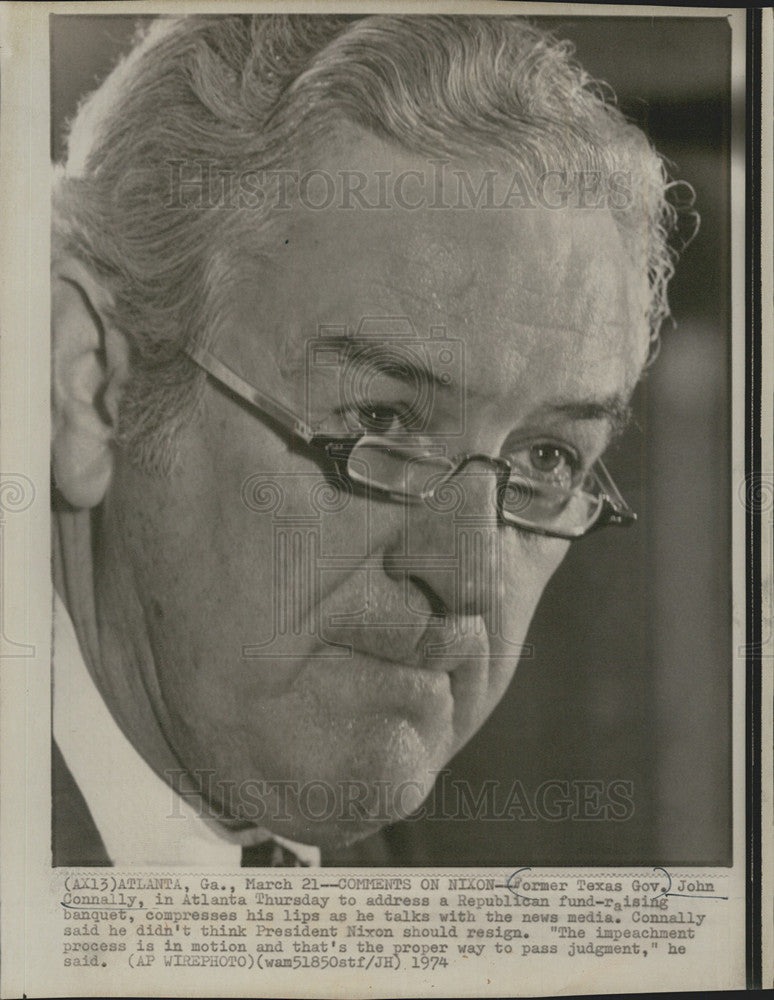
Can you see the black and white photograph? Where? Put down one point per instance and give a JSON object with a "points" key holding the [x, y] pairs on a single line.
{"points": [[370, 335]]}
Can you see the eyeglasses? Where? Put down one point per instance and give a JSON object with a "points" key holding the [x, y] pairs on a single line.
{"points": [[405, 468]]}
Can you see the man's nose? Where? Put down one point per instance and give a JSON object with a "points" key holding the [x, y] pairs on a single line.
{"points": [[452, 544]]}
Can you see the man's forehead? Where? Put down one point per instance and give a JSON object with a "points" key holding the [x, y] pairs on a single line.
{"points": [[463, 269]]}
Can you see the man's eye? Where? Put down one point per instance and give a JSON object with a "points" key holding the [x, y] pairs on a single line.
{"points": [[380, 418], [547, 457], [548, 462]]}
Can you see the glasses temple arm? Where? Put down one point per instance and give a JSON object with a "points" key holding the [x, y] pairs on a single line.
{"points": [[261, 400]]}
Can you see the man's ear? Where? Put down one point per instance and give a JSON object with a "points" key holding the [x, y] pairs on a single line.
{"points": [[90, 366]]}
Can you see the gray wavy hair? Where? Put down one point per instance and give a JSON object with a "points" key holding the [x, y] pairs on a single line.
{"points": [[247, 93]]}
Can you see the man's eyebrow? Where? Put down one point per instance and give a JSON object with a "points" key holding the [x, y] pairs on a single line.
{"points": [[371, 351], [614, 409]]}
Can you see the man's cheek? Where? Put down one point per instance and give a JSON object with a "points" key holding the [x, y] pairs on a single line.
{"points": [[527, 563]]}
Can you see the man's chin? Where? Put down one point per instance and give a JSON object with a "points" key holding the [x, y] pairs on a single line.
{"points": [[336, 787], [336, 814], [345, 830]]}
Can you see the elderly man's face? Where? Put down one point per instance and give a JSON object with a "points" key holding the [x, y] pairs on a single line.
{"points": [[302, 637]]}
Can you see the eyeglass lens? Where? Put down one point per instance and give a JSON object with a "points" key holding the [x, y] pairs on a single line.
{"points": [[400, 468]]}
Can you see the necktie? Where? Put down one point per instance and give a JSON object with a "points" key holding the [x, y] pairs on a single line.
{"points": [[270, 854]]}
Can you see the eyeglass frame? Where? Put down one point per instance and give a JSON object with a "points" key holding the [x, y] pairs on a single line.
{"points": [[613, 510]]}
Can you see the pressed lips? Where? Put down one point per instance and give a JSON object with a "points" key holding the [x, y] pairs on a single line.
{"points": [[435, 647]]}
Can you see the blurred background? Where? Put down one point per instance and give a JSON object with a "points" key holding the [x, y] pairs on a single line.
{"points": [[630, 677]]}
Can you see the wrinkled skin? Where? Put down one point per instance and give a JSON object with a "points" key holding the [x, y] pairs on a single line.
{"points": [[550, 310]]}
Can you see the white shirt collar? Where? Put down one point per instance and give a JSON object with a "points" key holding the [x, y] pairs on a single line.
{"points": [[142, 821]]}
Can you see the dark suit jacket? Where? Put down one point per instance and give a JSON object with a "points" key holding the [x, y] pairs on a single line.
{"points": [[75, 839]]}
